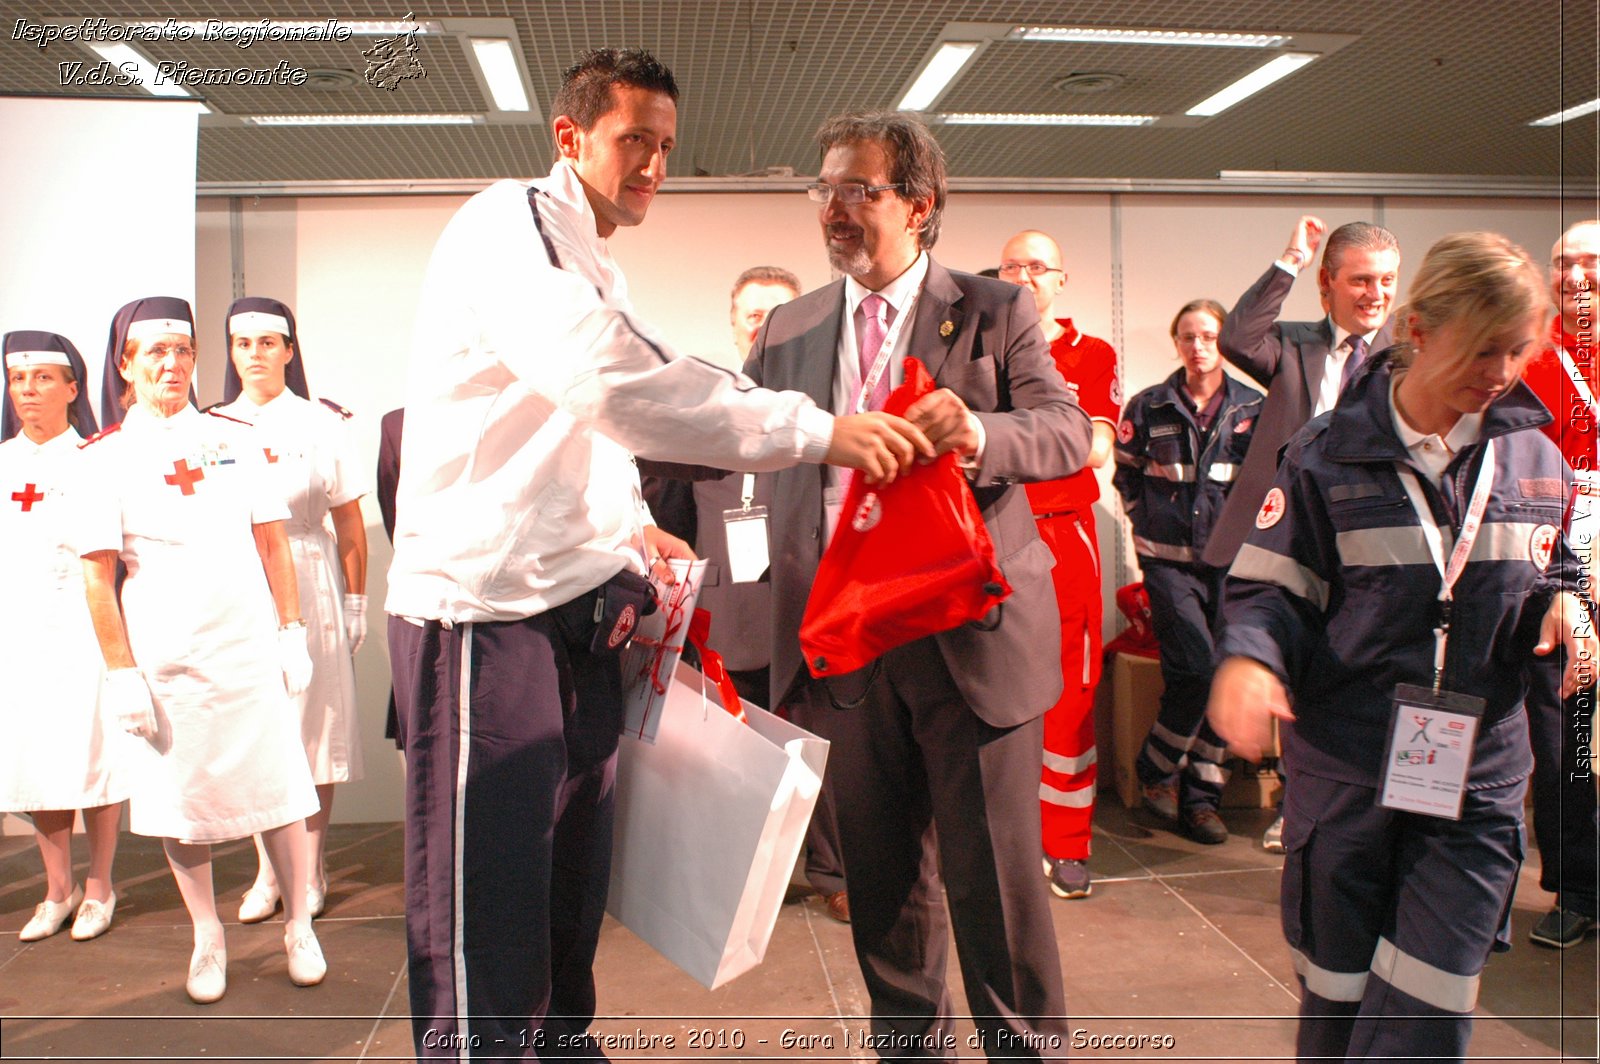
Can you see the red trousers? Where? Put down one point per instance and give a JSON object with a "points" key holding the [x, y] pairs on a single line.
{"points": [[1066, 789]]}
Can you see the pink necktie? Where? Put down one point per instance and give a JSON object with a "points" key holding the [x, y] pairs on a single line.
{"points": [[871, 333]]}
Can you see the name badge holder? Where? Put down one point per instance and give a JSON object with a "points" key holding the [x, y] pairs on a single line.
{"points": [[746, 530], [1428, 752]]}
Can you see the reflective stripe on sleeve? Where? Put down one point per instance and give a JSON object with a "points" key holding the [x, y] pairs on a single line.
{"points": [[1435, 986], [1222, 472], [1168, 552], [1269, 567]]}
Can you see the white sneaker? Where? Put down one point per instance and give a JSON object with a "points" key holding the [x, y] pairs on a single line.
{"points": [[1272, 839], [306, 966], [49, 917], [208, 974], [258, 903], [317, 896], [94, 919]]}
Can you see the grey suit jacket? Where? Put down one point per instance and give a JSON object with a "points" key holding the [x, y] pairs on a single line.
{"points": [[995, 358], [1288, 359]]}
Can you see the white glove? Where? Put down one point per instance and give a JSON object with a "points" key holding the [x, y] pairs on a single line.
{"points": [[294, 659], [127, 697], [355, 619]]}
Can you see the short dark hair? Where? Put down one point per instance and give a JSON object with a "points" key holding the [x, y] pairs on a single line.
{"points": [[916, 162], [765, 275], [585, 94], [1352, 236]]}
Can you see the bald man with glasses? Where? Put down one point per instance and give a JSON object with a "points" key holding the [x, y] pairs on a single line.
{"points": [[1064, 512]]}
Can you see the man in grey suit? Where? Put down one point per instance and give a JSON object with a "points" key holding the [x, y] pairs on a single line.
{"points": [[945, 732], [1302, 365]]}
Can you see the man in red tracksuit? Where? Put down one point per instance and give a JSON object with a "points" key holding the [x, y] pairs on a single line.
{"points": [[1565, 823], [1064, 512]]}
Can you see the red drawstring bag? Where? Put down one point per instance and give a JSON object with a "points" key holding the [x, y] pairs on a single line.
{"points": [[1139, 638], [909, 559], [711, 666]]}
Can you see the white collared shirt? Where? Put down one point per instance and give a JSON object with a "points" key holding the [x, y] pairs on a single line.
{"points": [[899, 294], [531, 380], [1333, 371], [1427, 451]]}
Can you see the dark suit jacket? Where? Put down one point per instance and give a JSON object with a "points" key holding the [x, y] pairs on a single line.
{"points": [[995, 358], [741, 614], [1288, 359], [390, 430]]}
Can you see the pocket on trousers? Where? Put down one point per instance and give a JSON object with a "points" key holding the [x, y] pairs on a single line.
{"points": [[1295, 899], [1502, 937]]}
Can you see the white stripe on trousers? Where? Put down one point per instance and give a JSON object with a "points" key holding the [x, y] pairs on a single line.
{"points": [[458, 844]]}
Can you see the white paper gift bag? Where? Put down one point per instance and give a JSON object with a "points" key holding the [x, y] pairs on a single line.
{"points": [[710, 819]]}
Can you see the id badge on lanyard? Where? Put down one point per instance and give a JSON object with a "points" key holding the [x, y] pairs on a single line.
{"points": [[746, 529], [1428, 754]]}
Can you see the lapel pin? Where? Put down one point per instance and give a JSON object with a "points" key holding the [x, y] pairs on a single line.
{"points": [[946, 328]]}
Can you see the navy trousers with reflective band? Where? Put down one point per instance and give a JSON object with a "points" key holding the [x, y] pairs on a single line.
{"points": [[1390, 917], [1183, 610], [510, 748]]}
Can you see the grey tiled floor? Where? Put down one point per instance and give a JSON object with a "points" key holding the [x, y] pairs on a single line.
{"points": [[1177, 939]]}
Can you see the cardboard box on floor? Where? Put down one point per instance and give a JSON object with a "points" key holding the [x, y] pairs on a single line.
{"points": [[1135, 697]]}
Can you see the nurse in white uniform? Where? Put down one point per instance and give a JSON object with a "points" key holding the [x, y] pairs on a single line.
{"points": [[208, 641], [60, 755], [309, 450]]}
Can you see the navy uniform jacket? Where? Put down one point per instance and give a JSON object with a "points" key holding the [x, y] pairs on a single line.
{"points": [[1335, 590], [1172, 484]]}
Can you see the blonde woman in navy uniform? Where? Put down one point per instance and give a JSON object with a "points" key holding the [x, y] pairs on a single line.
{"points": [[207, 641], [307, 447], [1404, 569], [60, 753]]}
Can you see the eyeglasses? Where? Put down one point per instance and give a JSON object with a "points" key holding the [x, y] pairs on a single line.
{"points": [[1034, 269], [850, 193], [160, 351]]}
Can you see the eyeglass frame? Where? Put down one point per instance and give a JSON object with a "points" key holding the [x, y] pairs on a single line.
{"points": [[829, 192], [1027, 268]]}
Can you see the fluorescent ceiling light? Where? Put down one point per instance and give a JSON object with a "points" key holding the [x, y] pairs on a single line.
{"points": [[1251, 83], [289, 27], [143, 70], [364, 120], [1575, 111], [941, 70], [1097, 35], [499, 66], [975, 119]]}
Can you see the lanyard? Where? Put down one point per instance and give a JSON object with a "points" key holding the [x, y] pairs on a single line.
{"points": [[1433, 536], [881, 363], [747, 492], [1578, 383]]}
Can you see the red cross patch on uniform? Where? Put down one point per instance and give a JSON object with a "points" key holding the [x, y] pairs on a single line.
{"points": [[1272, 508], [1125, 431], [1541, 545]]}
